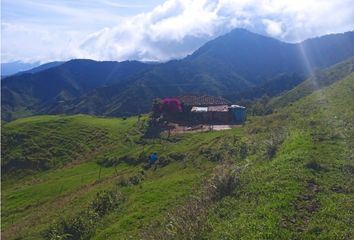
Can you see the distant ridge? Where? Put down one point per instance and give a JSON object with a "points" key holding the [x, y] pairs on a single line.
{"points": [[11, 68], [240, 64], [42, 67]]}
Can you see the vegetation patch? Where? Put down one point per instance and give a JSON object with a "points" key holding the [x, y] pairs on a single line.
{"points": [[131, 180], [305, 206], [314, 165], [83, 225], [190, 220]]}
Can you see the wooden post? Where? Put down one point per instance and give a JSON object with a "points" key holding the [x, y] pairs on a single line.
{"points": [[99, 173]]}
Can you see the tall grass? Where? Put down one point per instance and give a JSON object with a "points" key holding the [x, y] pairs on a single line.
{"points": [[83, 225], [190, 219]]}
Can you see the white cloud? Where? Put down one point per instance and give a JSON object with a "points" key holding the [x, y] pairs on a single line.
{"points": [[37, 42], [177, 27], [273, 28]]}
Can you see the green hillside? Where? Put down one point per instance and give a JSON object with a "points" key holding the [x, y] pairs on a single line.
{"points": [[288, 175], [317, 81]]}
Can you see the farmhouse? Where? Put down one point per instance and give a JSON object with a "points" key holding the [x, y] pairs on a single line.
{"points": [[201, 109]]}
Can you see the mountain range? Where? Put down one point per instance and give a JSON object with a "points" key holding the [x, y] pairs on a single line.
{"points": [[238, 65]]}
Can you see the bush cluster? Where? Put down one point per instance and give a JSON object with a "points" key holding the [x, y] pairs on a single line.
{"points": [[132, 180], [273, 142], [83, 225], [212, 154], [110, 161]]}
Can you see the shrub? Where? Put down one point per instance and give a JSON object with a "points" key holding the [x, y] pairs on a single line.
{"points": [[240, 150], [154, 128], [164, 161], [223, 182], [177, 156], [129, 160], [133, 180], [108, 161], [82, 225], [243, 150], [216, 156], [79, 227], [273, 142], [271, 149], [56, 231], [104, 202], [314, 166], [213, 154]]}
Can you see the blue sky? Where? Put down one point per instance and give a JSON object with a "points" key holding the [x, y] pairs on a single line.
{"points": [[49, 30], [73, 14], [40, 29]]}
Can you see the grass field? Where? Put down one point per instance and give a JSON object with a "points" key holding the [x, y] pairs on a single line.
{"points": [[32, 200], [295, 181]]}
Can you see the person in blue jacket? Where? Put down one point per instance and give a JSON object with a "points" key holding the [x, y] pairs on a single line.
{"points": [[152, 158]]}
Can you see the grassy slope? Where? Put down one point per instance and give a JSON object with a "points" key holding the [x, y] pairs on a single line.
{"points": [[304, 191], [49, 141], [319, 80], [31, 202]]}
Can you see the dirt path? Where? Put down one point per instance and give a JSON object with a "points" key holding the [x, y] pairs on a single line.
{"points": [[177, 129]]}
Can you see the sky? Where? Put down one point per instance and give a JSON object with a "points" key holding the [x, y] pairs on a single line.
{"points": [[154, 30]]}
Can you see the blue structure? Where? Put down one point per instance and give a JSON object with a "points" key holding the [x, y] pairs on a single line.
{"points": [[153, 158], [239, 113]]}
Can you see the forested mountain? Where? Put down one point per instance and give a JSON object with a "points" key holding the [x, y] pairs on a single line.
{"points": [[29, 93], [237, 65]]}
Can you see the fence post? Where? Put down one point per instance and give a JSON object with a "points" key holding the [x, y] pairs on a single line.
{"points": [[99, 173]]}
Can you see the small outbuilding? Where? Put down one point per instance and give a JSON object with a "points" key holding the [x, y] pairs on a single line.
{"points": [[239, 113]]}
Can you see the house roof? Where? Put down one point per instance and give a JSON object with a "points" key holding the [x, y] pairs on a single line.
{"points": [[221, 108], [203, 101], [238, 106], [199, 109]]}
